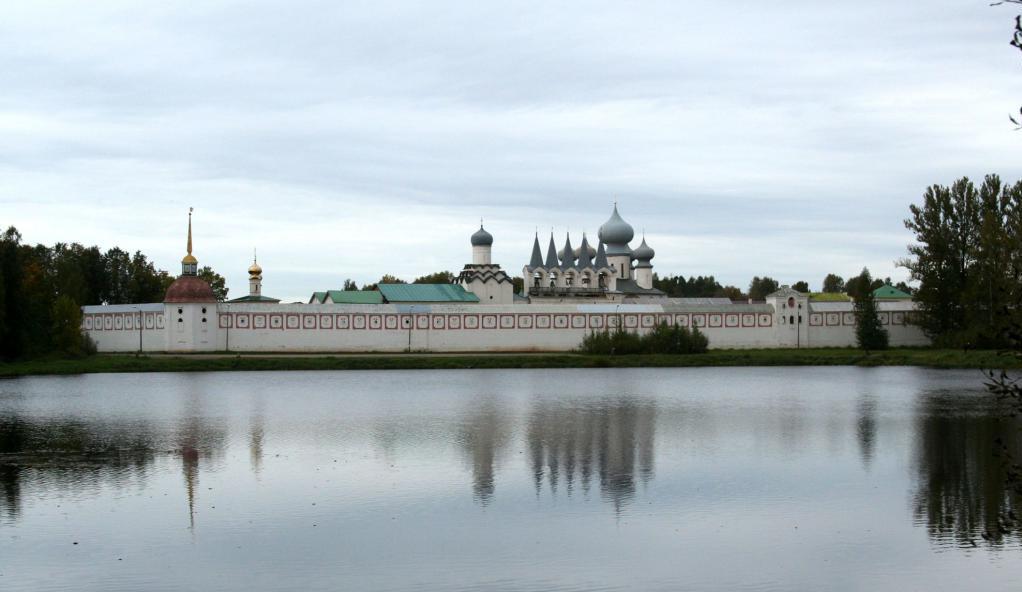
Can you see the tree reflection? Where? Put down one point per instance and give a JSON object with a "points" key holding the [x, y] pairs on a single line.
{"points": [[614, 437], [866, 428], [961, 479]]}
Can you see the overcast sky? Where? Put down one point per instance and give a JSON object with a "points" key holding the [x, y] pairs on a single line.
{"points": [[352, 139]]}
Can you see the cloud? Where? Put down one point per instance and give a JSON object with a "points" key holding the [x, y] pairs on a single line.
{"points": [[361, 138]]}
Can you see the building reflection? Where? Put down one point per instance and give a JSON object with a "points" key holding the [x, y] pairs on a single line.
{"points": [[610, 442], [961, 488], [484, 434]]}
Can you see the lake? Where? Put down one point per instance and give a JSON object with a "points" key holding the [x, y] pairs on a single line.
{"points": [[606, 479]]}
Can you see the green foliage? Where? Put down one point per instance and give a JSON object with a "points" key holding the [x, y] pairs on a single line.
{"points": [[761, 287], [869, 333], [801, 286], [518, 285], [37, 283], [215, 281], [829, 297], [440, 277], [386, 279], [863, 283], [967, 260], [350, 286], [67, 322], [833, 284], [663, 339], [694, 287]]}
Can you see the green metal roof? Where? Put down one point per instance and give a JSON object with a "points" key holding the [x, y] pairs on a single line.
{"points": [[347, 297], [426, 293], [889, 292], [251, 298]]}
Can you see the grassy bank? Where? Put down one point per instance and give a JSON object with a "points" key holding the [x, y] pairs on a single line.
{"points": [[931, 358]]}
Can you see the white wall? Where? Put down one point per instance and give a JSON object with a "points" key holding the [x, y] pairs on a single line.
{"points": [[454, 327]]}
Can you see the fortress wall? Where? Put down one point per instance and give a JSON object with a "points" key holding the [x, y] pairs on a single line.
{"points": [[115, 328], [455, 327]]}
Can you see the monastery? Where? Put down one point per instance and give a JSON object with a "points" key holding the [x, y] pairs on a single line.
{"points": [[567, 294]]}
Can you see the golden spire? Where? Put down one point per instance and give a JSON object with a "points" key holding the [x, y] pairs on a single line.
{"points": [[189, 259]]}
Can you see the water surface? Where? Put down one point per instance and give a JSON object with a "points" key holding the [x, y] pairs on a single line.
{"points": [[615, 479]]}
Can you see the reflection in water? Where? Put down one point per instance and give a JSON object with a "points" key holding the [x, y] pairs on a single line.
{"points": [[484, 435], [615, 436], [866, 428], [961, 480]]}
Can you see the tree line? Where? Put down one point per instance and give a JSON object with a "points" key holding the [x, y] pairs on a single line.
{"points": [[42, 288], [967, 259]]}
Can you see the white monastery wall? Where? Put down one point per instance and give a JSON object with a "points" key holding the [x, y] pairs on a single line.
{"points": [[455, 327]]}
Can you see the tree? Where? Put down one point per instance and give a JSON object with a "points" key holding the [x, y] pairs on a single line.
{"points": [[1016, 42], [350, 285], [869, 333], [517, 285], [386, 279], [67, 322], [440, 277], [801, 286], [216, 281], [862, 283], [833, 284], [733, 293], [761, 287]]}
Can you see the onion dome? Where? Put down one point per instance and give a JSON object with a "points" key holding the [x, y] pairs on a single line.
{"points": [[189, 288], [254, 269], [591, 251], [644, 252], [615, 231], [481, 238]]}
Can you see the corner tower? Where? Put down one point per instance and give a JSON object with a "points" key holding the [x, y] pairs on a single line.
{"points": [[190, 307]]}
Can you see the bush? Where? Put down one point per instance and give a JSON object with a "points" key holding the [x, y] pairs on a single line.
{"points": [[67, 326], [663, 339]]}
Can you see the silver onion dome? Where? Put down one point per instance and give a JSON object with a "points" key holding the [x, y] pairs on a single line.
{"points": [[481, 238]]}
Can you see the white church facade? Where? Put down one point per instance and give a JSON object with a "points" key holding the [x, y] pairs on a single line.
{"points": [[567, 294]]}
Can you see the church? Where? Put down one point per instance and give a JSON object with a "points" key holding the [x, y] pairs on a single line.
{"points": [[566, 295]]}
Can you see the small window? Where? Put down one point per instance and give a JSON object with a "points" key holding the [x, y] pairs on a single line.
{"points": [[791, 320], [203, 319], [180, 311], [203, 310], [180, 320]]}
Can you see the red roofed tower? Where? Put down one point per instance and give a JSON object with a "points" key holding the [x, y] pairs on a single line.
{"points": [[191, 307]]}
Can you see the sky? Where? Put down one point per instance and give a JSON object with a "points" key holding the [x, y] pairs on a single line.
{"points": [[353, 139]]}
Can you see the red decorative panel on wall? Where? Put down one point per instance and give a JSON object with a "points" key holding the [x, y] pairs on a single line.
{"points": [[243, 321], [293, 322], [699, 320], [507, 321], [390, 321], [87, 322], [578, 321], [118, 322], [714, 320], [276, 321], [471, 321], [309, 321], [326, 322], [524, 321], [748, 320], [342, 321], [421, 322], [439, 322], [898, 318], [108, 322], [542, 321], [647, 321], [375, 322], [682, 320], [815, 319], [358, 321], [596, 321], [833, 319], [560, 321], [225, 321], [764, 320], [847, 319], [885, 318], [454, 322], [631, 321], [731, 320], [489, 321]]}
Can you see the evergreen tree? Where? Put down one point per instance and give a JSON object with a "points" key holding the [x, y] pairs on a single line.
{"points": [[869, 333], [350, 285], [67, 321], [801, 286]]}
